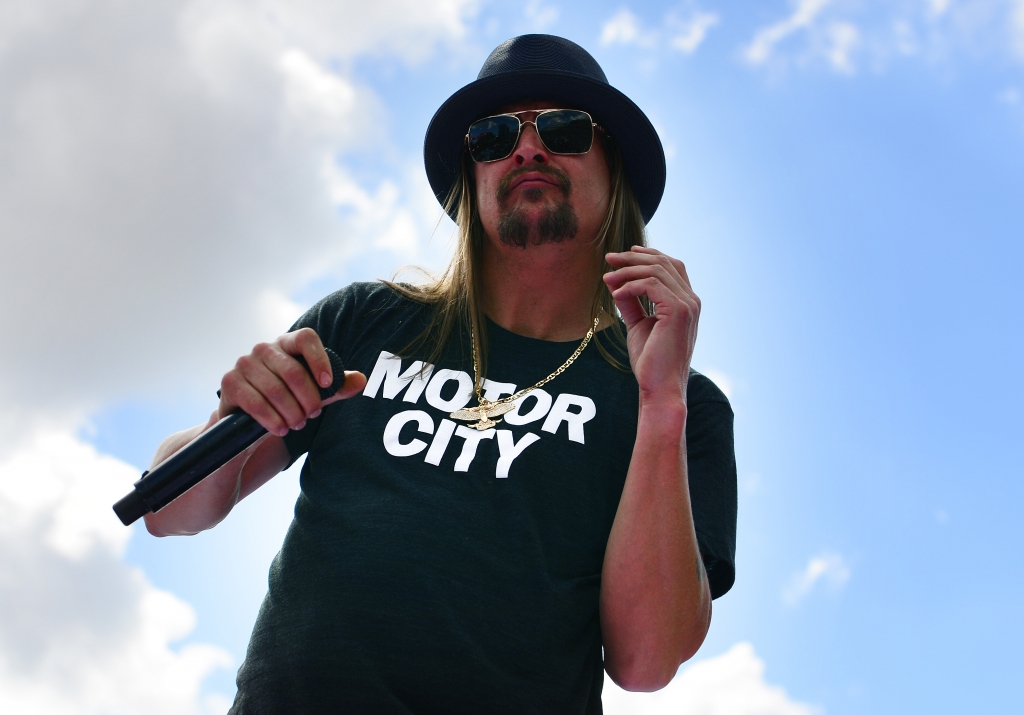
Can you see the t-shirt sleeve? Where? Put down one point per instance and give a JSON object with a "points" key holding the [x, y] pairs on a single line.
{"points": [[332, 319], [711, 463]]}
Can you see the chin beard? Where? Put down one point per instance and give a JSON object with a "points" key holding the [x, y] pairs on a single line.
{"points": [[553, 226]]}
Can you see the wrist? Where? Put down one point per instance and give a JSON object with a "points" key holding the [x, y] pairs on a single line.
{"points": [[663, 413]]}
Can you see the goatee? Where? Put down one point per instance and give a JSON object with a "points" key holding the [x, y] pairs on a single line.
{"points": [[555, 224]]}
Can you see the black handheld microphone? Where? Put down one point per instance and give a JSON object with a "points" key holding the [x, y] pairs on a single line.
{"points": [[202, 456]]}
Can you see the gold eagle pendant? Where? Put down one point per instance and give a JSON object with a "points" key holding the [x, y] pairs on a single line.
{"points": [[484, 412]]}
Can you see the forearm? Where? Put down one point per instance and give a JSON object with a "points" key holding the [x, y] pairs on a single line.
{"points": [[655, 601], [207, 503]]}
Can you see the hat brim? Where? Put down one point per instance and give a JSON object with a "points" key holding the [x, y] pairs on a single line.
{"points": [[632, 131]]}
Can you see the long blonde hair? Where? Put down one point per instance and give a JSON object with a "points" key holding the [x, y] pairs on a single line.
{"points": [[455, 292]]}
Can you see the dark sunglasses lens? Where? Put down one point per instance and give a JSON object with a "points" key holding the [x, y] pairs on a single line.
{"points": [[493, 138], [566, 131]]}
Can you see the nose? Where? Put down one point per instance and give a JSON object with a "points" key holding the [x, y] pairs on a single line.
{"points": [[530, 147]]}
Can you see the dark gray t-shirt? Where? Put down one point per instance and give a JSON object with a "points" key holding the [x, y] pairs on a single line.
{"points": [[435, 568]]}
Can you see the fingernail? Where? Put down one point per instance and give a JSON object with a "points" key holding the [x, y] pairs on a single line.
{"points": [[314, 415], [282, 432], [325, 379], [301, 425]]}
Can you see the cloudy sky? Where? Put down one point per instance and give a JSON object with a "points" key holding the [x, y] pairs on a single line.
{"points": [[179, 180]]}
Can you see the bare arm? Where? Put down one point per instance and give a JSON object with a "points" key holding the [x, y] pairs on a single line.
{"points": [[655, 598], [273, 387], [206, 504]]}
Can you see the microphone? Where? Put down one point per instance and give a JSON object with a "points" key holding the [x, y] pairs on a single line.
{"points": [[202, 456]]}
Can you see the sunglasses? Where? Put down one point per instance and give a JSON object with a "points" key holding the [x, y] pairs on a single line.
{"points": [[561, 131]]}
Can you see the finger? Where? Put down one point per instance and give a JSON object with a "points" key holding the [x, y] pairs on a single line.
{"points": [[647, 249], [655, 254], [355, 382], [681, 270], [666, 275], [296, 377], [263, 379], [306, 342], [641, 256], [649, 256], [663, 299], [658, 273], [637, 253], [631, 310], [237, 393]]}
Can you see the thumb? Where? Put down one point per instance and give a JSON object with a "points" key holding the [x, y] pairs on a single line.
{"points": [[355, 381]]}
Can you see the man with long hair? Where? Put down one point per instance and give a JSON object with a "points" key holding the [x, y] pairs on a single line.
{"points": [[498, 513]]}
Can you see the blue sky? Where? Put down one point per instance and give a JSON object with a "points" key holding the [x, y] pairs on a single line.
{"points": [[845, 184]]}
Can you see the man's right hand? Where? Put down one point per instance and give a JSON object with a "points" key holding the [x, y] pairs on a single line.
{"points": [[272, 386]]}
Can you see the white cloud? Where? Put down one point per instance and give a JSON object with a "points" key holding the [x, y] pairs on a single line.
{"points": [[843, 39], [904, 37], [765, 40], [1010, 95], [729, 684], [216, 704], [693, 32], [163, 170], [164, 193], [311, 91], [1017, 28], [69, 484], [935, 31], [623, 28], [383, 214], [277, 312], [829, 568], [408, 29], [937, 8], [81, 631], [540, 16]]}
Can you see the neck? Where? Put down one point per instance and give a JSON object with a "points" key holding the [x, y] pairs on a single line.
{"points": [[544, 291]]}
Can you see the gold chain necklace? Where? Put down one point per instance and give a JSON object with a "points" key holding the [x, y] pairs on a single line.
{"points": [[487, 409]]}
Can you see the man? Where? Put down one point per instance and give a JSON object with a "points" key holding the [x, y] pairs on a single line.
{"points": [[471, 544]]}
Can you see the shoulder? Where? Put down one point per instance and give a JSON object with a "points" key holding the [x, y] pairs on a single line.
{"points": [[361, 314], [361, 298], [370, 294], [700, 390], [355, 309]]}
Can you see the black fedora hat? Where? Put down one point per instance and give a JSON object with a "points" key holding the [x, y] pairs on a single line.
{"points": [[545, 67]]}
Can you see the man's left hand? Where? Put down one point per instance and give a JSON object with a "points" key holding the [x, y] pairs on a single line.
{"points": [[661, 344]]}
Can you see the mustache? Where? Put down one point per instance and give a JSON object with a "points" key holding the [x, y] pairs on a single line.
{"points": [[559, 176]]}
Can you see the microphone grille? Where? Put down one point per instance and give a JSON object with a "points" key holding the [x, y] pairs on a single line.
{"points": [[337, 370]]}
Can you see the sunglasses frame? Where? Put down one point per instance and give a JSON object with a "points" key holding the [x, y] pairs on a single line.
{"points": [[538, 112]]}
